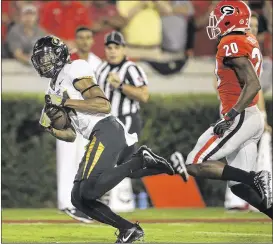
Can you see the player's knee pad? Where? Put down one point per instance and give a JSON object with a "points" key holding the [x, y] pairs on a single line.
{"points": [[75, 195]]}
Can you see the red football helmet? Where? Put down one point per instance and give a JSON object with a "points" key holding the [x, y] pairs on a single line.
{"points": [[228, 16]]}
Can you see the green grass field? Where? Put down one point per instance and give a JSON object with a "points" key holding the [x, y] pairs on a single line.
{"points": [[160, 225]]}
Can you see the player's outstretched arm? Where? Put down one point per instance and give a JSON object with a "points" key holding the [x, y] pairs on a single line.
{"points": [[247, 78], [94, 98]]}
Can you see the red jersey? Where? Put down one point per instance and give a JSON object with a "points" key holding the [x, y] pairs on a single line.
{"points": [[62, 19], [229, 87], [107, 11]]}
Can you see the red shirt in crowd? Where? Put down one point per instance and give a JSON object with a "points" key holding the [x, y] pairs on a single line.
{"points": [[201, 8], [5, 6], [62, 19], [98, 13]]}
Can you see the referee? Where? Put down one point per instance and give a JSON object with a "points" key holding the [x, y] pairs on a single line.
{"points": [[124, 84]]}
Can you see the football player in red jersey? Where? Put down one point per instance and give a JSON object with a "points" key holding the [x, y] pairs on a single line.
{"points": [[235, 136]]}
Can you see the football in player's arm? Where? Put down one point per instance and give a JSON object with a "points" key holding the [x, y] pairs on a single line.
{"points": [[94, 102]]}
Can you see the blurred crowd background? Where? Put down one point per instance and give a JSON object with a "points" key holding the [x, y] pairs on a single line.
{"points": [[155, 31]]}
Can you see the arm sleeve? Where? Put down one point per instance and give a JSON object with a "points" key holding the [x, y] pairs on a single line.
{"points": [[136, 76], [80, 70]]}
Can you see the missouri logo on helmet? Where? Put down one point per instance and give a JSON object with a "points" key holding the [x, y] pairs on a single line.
{"points": [[56, 41], [227, 10]]}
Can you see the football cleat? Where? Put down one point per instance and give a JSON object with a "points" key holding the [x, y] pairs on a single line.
{"points": [[178, 163], [262, 181], [151, 160], [78, 215], [130, 235]]}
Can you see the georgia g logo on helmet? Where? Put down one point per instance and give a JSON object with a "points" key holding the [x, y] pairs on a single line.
{"points": [[227, 10]]}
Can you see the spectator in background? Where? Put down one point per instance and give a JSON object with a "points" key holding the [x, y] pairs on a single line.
{"points": [[62, 18], [22, 36], [104, 18], [10, 15], [178, 37], [5, 19], [175, 27], [143, 31], [264, 9], [202, 10], [84, 43]]}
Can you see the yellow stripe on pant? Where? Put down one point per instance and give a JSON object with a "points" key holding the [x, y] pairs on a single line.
{"points": [[89, 150], [96, 158]]}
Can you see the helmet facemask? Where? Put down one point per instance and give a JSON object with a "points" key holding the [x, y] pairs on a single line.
{"points": [[45, 62], [213, 30]]}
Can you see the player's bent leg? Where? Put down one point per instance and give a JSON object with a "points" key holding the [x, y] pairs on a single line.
{"points": [[245, 158], [102, 179], [210, 148], [75, 196], [153, 164], [97, 210], [195, 161], [248, 194], [128, 232]]}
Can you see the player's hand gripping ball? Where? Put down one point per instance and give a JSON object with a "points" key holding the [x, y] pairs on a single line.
{"points": [[58, 116]]}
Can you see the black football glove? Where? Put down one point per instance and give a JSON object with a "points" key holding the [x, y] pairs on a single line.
{"points": [[52, 112], [222, 125]]}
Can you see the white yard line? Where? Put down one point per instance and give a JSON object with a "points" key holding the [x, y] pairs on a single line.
{"points": [[231, 233], [76, 224]]}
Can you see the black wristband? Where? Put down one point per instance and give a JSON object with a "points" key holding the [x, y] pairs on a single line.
{"points": [[231, 114]]}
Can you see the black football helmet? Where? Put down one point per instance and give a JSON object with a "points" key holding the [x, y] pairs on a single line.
{"points": [[49, 56]]}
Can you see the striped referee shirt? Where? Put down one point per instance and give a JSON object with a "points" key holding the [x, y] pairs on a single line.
{"points": [[130, 74]]}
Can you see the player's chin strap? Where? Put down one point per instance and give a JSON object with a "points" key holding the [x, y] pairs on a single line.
{"points": [[229, 30]]}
